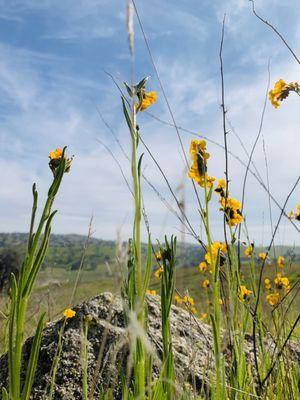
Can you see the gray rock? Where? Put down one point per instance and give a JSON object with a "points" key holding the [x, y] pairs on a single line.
{"points": [[107, 335]]}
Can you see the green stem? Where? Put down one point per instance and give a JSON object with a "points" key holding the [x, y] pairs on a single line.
{"points": [[216, 296], [140, 351], [17, 351]]}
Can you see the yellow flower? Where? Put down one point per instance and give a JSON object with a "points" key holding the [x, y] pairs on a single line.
{"points": [[288, 289], [189, 301], [202, 266], [198, 147], [281, 281], [273, 298], [296, 214], [281, 91], [151, 292], [232, 209], [221, 187], [69, 313], [216, 249], [203, 316], [198, 168], [56, 158], [244, 293], [280, 261], [249, 251], [148, 99], [205, 284], [274, 94], [194, 310], [262, 256], [158, 273], [206, 181], [178, 299], [267, 284], [221, 302], [56, 154], [158, 255]]}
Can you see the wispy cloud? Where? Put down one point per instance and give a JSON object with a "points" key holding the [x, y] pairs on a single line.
{"points": [[52, 81]]}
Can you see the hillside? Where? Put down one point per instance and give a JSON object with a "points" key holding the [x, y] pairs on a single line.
{"points": [[65, 251]]}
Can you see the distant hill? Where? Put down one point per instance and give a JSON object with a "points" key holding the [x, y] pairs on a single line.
{"points": [[65, 251]]}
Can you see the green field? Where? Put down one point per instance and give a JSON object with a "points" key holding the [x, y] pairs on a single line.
{"points": [[54, 289]]}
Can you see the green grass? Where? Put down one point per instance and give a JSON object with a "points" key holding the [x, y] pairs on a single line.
{"points": [[54, 289]]}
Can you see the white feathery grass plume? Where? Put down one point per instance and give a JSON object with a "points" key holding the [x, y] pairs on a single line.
{"points": [[130, 28]]}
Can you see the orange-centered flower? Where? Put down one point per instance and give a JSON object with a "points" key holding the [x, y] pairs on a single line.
{"points": [[273, 298], [69, 313], [56, 154], [244, 293]]}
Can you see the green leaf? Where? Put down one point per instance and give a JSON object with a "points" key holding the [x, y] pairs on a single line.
{"points": [[215, 335], [33, 213], [39, 257], [34, 354], [148, 267], [141, 84], [4, 394], [129, 90], [210, 193], [127, 117], [140, 164]]}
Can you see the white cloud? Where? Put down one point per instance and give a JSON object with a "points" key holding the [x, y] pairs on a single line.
{"points": [[44, 110]]}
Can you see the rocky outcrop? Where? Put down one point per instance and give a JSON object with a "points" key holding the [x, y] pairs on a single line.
{"points": [[109, 348]]}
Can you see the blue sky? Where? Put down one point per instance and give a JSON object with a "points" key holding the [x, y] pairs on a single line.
{"points": [[52, 81]]}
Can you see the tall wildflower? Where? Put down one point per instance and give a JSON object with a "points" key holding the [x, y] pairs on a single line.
{"points": [[136, 284], [38, 240]]}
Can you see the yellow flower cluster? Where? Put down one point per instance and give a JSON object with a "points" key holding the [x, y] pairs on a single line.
{"points": [[273, 298], [148, 99], [244, 293], [232, 210], [268, 285], [281, 281], [188, 301], [281, 91], [198, 169], [295, 214], [230, 206], [178, 299], [216, 249]]}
